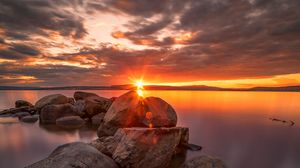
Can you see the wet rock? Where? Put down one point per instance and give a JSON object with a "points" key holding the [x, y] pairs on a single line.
{"points": [[50, 113], [204, 162], [18, 110], [30, 119], [53, 99], [22, 103], [76, 154], [70, 122], [146, 147], [98, 119], [130, 110]]}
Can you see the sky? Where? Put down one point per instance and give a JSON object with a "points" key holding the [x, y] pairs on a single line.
{"points": [[225, 43]]}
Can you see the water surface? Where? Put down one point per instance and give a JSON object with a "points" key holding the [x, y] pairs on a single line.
{"points": [[233, 126]]}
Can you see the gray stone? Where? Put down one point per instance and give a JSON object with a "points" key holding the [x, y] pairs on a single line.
{"points": [[53, 99], [22, 103], [70, 122], [30, 119], [50, 113], [147, 147], [131, 110], [76, 154], [204, 162]]}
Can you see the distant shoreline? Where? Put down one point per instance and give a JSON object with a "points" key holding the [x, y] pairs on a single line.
{"points": [[156, 87]]}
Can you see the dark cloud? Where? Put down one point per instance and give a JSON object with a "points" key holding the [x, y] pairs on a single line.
{"points": [[25, 49], [37, 17]]}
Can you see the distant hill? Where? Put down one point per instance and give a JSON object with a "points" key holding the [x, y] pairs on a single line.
{"points": [[155, 87]]}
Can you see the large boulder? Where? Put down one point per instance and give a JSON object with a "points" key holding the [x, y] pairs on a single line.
{"points": [[76, 154], [147, 147], [51, 100], [95, 105], [50, 113], [131, 110], [70, 122], [91, 104], [22, 103], [204, 162]]}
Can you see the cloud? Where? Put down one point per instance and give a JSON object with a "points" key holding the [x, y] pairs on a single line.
{"points": [[20, 18], [180, 40]]}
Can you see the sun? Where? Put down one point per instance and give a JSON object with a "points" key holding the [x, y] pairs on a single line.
{"points": [[139, 84]]}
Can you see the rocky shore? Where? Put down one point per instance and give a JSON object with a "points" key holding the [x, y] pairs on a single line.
{"points": [[133, 131]]}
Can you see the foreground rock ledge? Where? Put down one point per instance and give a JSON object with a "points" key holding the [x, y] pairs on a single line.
{"points": [[76, 154], [143, 147]]}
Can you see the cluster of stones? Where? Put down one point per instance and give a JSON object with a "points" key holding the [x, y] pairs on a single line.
{"points": [[133, 132], [66, 112]]}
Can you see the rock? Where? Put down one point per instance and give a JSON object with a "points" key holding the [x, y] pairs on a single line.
{"points": [[70, 122], [30, 119], [18, 110], [130, 110], [146, 147], [50, 113], [105, 145], [82, 95], [98, 119], [51, 100], [76, 154], [192, 147], [22, 103], [21, 114], [204, 162], [79, 107], [93, 104], [71, 100]]}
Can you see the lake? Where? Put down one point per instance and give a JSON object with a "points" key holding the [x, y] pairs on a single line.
{"points": [[233, 126]]}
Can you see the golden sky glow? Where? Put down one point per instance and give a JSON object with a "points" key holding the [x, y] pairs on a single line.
{"points": [[163, 42]]}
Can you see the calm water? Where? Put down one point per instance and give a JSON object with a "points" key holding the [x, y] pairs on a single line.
{"points": [[234, 126]]}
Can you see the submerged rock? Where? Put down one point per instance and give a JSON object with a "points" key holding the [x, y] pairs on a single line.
{"points": [[143, 147], [76, 154], [50, 113], [131, 110], [53, 99], [13, 111], [70, 122], [21, 114], [30, 119], [22, 103], [204, 162]]}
